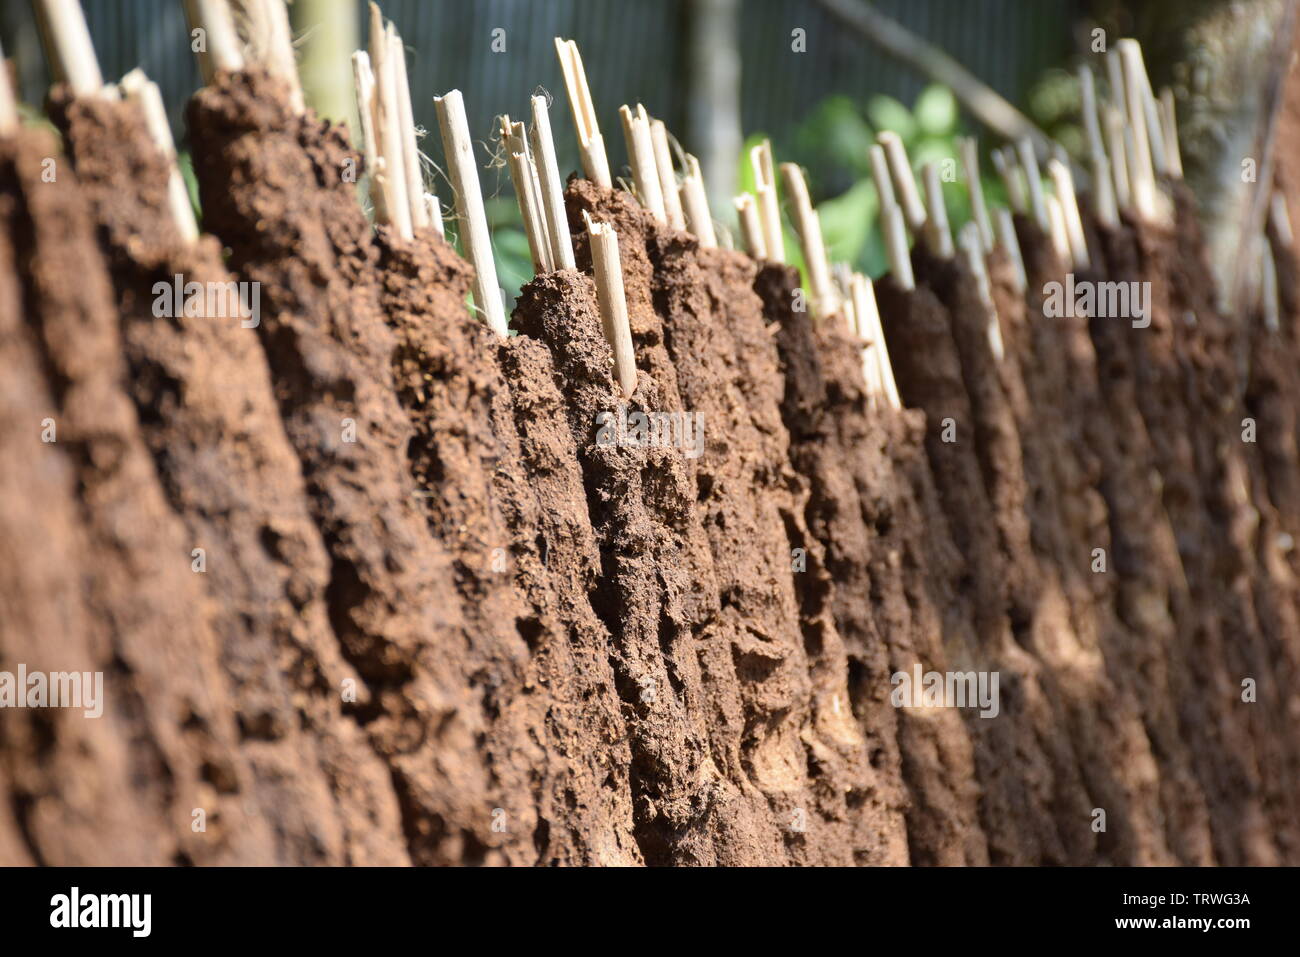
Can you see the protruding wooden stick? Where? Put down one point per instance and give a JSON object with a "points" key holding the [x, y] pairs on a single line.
{"points": [[1269, 304], [909, 197], [973, 252], [1151, 112], [869, 327], [1063, 180], [900, 261], [1004, 161], [1057, 231], [640, 151], [1141, 171], [970, 161], [391, 173], [8, 105], [222, 51], [475, 238], [613, 303], [1034, 179], [68, 48], [870, 369], [590, 143], [1103, 191], [521, 175], [145, 94], [769, 211], [1169, 126], [667, 179], [523, 144], [810, 240], [406, 123], [364, 82], [433, 209], [880, 176], [1091, 120], [1281, 218], [552, 190], [1010, 243], [937, 232], [699, 218], [1113, 123], [281, 61], [751, 229]]}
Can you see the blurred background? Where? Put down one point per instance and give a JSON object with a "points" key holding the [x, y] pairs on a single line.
{"points": [[819, 77]]}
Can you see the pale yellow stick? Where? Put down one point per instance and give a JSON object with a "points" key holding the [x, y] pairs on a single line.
{"points": [[1091, 121], [68, 47], [552, 191], [769, 211], [1004, 163], [880, 176], [521, 175], [522, 144], [810, 240], [8, 107], [973, 252], [937, 232], [1268, 286], [900, 261], [870, 327], [145, 94], [434, 211], [1169, 125], [1103, 191], [390, 173], [221, 40], [1113, 123], [870, 369], [751, 230], [590, 143], [1057, 232], [406, 123], [1010, 243], [1141, 171], [281, 61], [1029, 162], [475, 237], [1063, 180], [667, 179], [613, 304], [909, 197], [970, 161], [1281, 217], [640, 153], [364, 81], [699, 218]]}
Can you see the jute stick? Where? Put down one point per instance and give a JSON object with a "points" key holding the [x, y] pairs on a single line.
{"points": [[769, 210], [640, 151], [391, 173], [1057, 232], [1169, 124], [281, 61], [1091, 121], [900, 261], [613, 303], [1113, 123], [1063, 180], [1029, 162], [68, 48], [1281, 218], [1010, 242], [699, 218], [1268, 286], [1141, 171], [434, 211], [870, 369], [406, 122], [869, 326], [751, 229], [1103, 191], [810, 240], [970, 161], [523, 144], [590, 143], [475, 237], [552, 191], [909, 197], [973, 252], [521, 175], [880, 176], [667, 179], [1004, 163], [1155, 133], [8, 105], [937, 232], [364, 81], [145, 94], [221, 39]]}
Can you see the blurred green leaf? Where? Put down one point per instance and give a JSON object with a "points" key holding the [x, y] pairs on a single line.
{"points": [[886, 113], [936, 111]]}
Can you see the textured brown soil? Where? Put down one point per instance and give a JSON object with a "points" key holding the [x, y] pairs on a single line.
{"points": [[442, 620]]}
